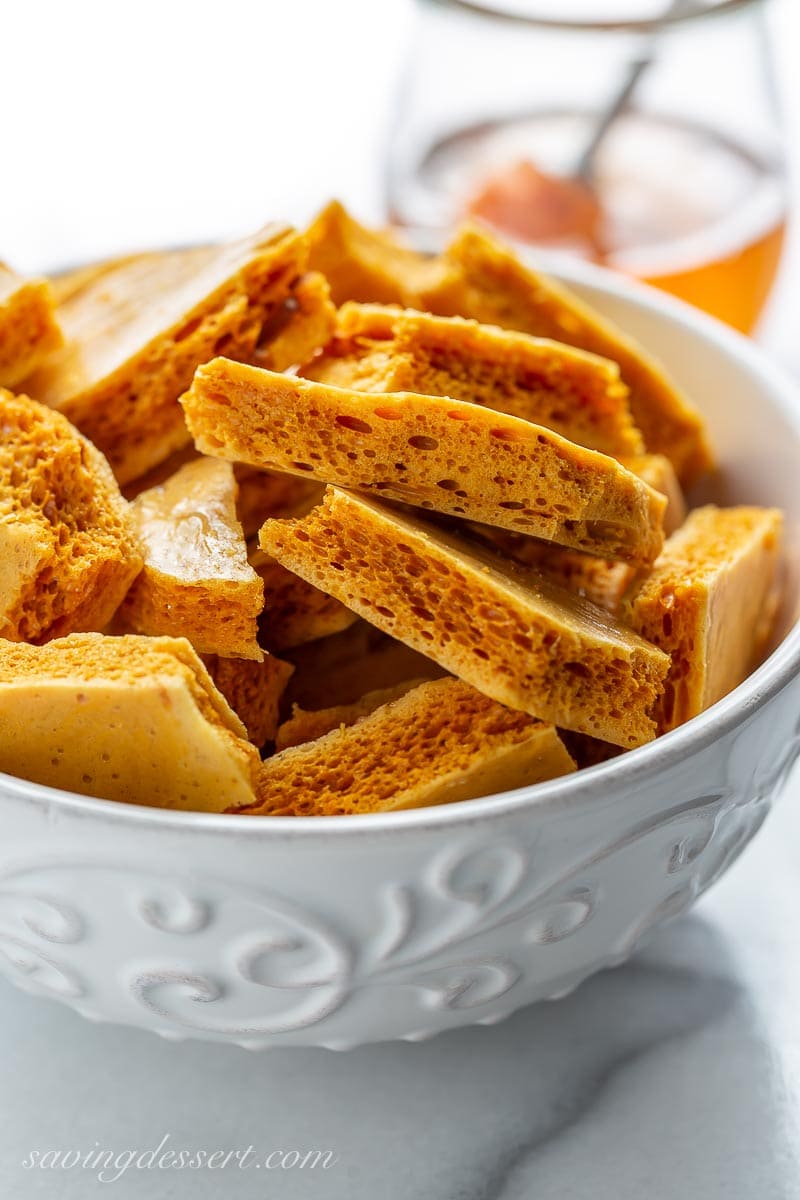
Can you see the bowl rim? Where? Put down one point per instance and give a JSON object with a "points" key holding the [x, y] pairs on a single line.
{"points": [[570, 791]]}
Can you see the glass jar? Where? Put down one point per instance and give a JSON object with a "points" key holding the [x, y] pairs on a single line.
{"points": [[639, 134]]}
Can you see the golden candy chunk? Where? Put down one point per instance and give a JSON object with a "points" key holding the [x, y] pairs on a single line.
{"points": [[130, 718], [430, 451], [301, 326], [513, 635], [340, 669], [710, 602], [196, 582], [253, 690], [658, 471], [439, 743], [294, 611], [486, 281], [362, 264], [306, 725], [68, 553], [28, 327], [578, 395], [137, 331]]}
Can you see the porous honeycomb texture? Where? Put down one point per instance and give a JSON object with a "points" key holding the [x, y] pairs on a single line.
{"points": [[196, 582], [578, 395], [486, 281], [133, 719], [441, 742], [28, 327], [513, 635], [68, 552], [710, 603], [430, 451], [137, 331], [294, 611], [307, 725], [477, 277], [253, 690]]}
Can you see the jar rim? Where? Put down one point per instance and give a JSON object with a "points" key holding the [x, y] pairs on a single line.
{"points": [[695, 12]]}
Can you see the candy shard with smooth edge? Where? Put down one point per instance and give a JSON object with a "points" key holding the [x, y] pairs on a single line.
{"points": [[137, 332], [133, 719], [29, 330], [486, 281], [443, 741], [513, 635], [430, 451], [253, 690], [363, 264], [196, 582], [579, 395], [306, 725], [710, 602], [68, 552]]}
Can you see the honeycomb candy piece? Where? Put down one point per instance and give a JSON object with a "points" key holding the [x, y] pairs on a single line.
{"points": [[486, 281], [514, 635], [131, 718], [597, 579], [306, 725], [658, 471], [439, 743], [253, 690], [137, 331], [196, 582], [577, 394], [431, 451], [362, 264], [340, 669], [28, 327], [68, 553], [301, 326], [295, 612], [710, 603]]}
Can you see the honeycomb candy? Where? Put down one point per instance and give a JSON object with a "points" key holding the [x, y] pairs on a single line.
{"points": [[340, 669], [306, 725], [577, 394], [196, 582], [659, 473], [514, 635], [439, 743], [437, 453], [294, 611], [264, 494], [131, 718], [68, 553], [253, 690], [487, 282], [28, 327], [137, 331], [300, 327], [361, 264], [710, 602]]}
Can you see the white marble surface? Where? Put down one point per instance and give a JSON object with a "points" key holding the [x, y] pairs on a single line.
{"points": [[676, 1075]]}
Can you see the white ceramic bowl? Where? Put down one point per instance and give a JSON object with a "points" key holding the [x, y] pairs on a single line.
{"points": [[274, 931]]}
